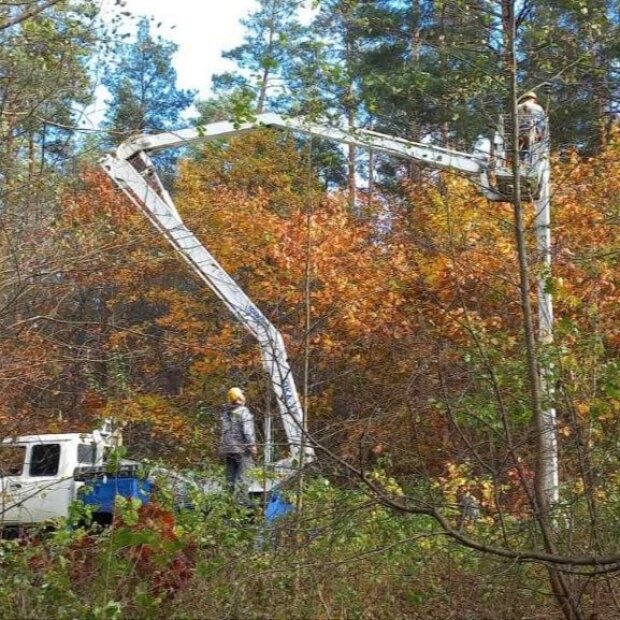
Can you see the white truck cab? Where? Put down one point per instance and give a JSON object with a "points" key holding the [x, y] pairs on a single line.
{"points": [[36, 474]]}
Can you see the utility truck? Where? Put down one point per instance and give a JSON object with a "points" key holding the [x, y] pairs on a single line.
{"points": [[42, 475], [37, 474]]}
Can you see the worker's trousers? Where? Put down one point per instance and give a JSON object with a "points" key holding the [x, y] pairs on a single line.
{"points": [[237, 467]]}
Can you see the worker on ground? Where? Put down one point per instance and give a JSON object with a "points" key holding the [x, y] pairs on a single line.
{"points": [[237, 444], [531, 119], [469, 508]]}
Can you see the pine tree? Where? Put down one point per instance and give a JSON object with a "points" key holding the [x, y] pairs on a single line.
{"points": [[574, 50], [43, 82], [144, 92], [337, 24], [143, 86], [273, 32], [428, 68]]}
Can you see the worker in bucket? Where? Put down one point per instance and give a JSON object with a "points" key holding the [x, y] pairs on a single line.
{"points": [[531, 125], [237, 444]]}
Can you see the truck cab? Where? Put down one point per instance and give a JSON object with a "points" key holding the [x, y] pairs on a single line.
{"points": [[36, 475]]}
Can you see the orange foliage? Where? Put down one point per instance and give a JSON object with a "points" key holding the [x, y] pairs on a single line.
{"points": [[400, 299], [587, 238]]}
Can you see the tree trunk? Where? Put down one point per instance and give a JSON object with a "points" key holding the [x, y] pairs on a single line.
{"points": [[264, 83], [558, 582], [350, 110]]}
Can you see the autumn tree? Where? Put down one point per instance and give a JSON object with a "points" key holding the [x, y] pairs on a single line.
{"points": [[413, 325], [44, 59]]}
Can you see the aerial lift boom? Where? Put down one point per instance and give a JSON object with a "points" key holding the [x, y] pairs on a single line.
{"points": [[131, 169]]}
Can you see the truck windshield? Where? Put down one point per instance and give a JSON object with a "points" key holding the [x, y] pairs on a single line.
{"points": [[12, 460], [44, 459]]}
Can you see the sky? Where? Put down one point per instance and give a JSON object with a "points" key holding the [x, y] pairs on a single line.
{"points": [[203, 29]]}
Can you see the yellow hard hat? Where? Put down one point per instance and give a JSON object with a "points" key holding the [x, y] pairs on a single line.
{"points": [[529, 95], [235, 395]]}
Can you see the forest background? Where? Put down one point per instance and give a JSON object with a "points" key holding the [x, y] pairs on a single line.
{"points": [[397, 289]]}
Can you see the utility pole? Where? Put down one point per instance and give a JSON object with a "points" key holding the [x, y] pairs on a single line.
{"points": [[549, 443]]}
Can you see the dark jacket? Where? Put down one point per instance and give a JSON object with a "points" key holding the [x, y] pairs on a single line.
{"points": [[237, 428]]}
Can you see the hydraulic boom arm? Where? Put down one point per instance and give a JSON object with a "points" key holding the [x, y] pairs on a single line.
{"points": [[165, 218], [434, 156], [132, 170]]}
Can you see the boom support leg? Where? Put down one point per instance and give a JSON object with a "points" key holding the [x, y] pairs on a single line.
{"points": [[161, 212]]}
